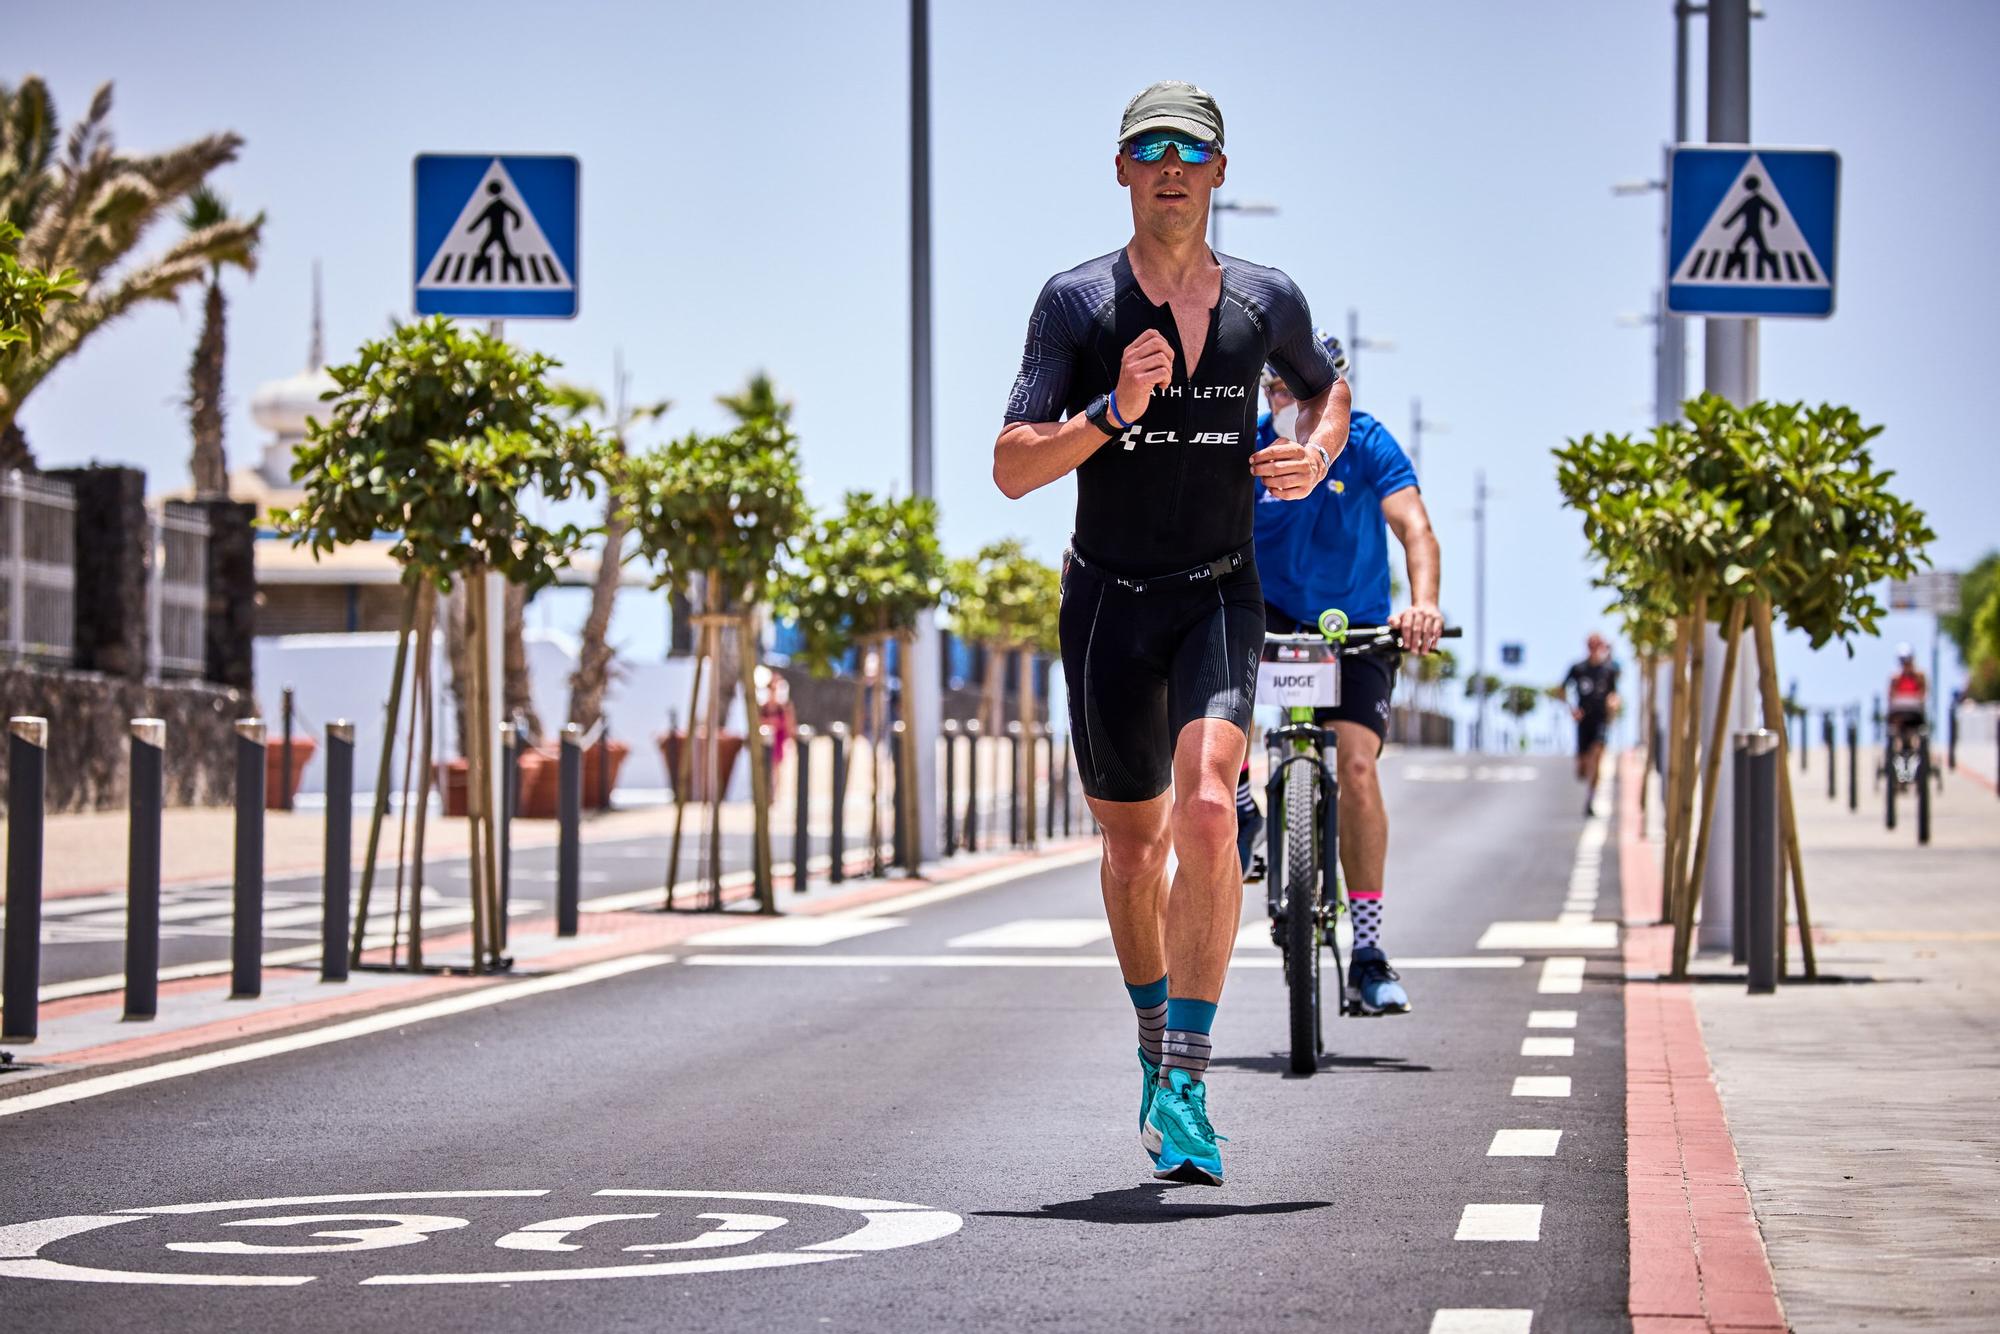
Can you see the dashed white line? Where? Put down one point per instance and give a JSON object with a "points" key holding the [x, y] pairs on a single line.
{"points": [[1482, 1320], [1036, 933], [1541, 1086], [1500, 1222], [1548, 1046], [1552, 1019], [1563, 974], [1523, 1144], [802, 931]]}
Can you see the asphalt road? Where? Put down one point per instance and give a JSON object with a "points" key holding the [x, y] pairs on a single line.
{"points": [[952, 1121]]}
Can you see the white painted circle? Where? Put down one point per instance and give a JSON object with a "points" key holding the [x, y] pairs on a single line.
{"points": [[306, 1228]]}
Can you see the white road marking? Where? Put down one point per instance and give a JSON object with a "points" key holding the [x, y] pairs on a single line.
{"points": [[1462, 773], [1562, 975], [1548, 1046], [1026, 961], [1500, 1222], [292, 1201], [999, 875], [1557, 935], [1541, 1086], [1036, 933], [1574, 917], [79, 1089], [795, 931], [549, 1234], [1523, 1144], [1552, 1019], [1482, 1320]]}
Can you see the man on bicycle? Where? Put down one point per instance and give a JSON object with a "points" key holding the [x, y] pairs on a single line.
{"points": [[1333, 551], [1909, 694], [1140, 376]]}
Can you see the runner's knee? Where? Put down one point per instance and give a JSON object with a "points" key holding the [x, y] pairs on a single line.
{"points": [[1206, 818]]}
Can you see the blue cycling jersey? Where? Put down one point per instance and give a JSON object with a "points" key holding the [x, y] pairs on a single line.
{"points": [[1331, 549]]}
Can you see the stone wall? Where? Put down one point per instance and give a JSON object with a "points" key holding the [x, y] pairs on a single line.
{"points": [[90, 718], [114, 550]]}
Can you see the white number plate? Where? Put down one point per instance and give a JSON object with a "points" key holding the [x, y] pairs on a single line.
{"points": [[1299, 685]]}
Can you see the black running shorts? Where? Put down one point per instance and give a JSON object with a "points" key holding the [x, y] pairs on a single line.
{"points": [[1367, 680], [1142, 665], [1590, 730]]}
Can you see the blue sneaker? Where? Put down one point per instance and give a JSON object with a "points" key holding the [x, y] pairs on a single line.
{"points": [[1178, 1135], [1249, 829], [1372, 985], [1149, 1079]]}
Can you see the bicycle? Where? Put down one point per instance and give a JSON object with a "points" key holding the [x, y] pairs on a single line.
{"points": [[1303, 890]]}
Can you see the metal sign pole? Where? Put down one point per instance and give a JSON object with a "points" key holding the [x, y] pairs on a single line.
{"points": [[924, 677]]}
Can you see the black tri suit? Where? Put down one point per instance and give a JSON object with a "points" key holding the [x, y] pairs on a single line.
{"points": [[1162, 611]]}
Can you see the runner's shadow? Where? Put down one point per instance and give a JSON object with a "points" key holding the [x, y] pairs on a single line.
{"points": [[1279, 1063], [1147, 1203]]}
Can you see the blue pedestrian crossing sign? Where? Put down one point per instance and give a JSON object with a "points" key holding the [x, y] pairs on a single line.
{"points": [[1751, 231], [496, 236]]}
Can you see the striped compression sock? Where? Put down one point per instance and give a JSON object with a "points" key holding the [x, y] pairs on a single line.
{"points": [[1150, 1003], [1187, 1045], [1244, 804], [1366, 905]]}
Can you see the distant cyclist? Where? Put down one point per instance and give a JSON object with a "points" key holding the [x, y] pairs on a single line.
{"points": [[1140, 376], [1333, 551], [1592, 691], [1909, 694]]}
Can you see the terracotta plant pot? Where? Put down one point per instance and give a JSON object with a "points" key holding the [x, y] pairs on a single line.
{"points": [[303, 749], [729, 746], [540, 787], [451, 786], [603, 761]]}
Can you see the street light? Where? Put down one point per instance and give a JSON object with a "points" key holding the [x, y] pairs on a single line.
{"points": [[1355, 344], [1418, 425], [1255, 208]]}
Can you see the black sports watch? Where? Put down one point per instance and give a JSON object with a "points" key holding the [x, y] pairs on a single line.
{"points": [[1099, 415]]}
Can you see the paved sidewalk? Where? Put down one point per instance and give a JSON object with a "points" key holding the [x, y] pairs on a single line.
{"points": [[1866, 1111]]}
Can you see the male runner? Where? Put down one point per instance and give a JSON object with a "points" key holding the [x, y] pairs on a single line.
{"points": [[1592, 688], [1139, 376], [1331, 551]]}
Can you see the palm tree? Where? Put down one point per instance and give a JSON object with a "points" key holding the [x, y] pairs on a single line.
{"points": [[82, 204], [593, 663], [208, 463]]}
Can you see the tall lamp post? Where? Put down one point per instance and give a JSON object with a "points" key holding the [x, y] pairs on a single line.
{"points": [[1357, 343], [925, 668], [1251, 208]]}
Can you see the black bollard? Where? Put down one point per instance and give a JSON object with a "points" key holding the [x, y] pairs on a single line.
{"points": [[1068, 782], [802, 811], [1739, 847], [1049, 817], [1923, 790], [338, 878], [1762, 917], [510, 796], [247, 925], [899, 824], [1951, 739], [950, 802], [285, 755], [27, 774], [142, 872], [1832, 754], [569, 836], [1014, 785], [972, 786], [604, 765], [1853, 765], [837, 836], [1889, 783]]}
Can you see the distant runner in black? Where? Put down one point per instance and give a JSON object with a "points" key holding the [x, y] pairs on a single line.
{"points": [[494, 218], [1751, 213], [1140, 376], [1592, 689]]}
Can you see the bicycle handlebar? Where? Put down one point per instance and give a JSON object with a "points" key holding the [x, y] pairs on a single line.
{"points": [[1379, 639]]}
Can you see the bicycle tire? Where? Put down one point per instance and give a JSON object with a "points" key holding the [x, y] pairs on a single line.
{"points": [[1302, 915]]}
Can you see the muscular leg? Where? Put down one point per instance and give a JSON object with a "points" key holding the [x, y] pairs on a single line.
{"points": [[1364, 821], [1133, 876], [1205, 905]]}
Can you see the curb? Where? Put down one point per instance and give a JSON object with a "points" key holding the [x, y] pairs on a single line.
{"points": [[1697, 1257]]}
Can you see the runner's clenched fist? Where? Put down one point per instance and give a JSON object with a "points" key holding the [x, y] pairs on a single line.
{"points": [[1148, 362]]}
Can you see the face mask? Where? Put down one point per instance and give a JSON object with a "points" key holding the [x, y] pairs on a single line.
{"points": [[1285, 421]]}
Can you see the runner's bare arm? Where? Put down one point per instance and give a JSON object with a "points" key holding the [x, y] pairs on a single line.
{"points": [[1290, 468], [1323, 418], [1029, 455]]}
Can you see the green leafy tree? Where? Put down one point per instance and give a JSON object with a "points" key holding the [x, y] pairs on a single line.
{"points": [[1977, 587], [209, 464], [865, 573], [25, 296], [83, 206]]}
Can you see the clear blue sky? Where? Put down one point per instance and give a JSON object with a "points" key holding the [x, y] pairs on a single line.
{"points": [[1442, 167]]}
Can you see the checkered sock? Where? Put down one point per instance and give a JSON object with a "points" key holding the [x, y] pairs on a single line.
{"points": [[1187, 1046], [1150, 1004], [1366, 906]]}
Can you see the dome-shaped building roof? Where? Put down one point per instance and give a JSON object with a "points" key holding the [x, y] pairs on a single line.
{"points": [[282, 406]]}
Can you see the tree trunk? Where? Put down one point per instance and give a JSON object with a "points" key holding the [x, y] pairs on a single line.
{"points": [[1717, 743], [208, 464], [518, 693], [906, 652], [454, 652], [593, 659], [760, 777], [14, 451], [1774, 718], [1024, 708]]}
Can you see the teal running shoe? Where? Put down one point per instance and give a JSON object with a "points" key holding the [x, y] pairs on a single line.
{"points": [[1373, 987], [1178, 1135], [1149, 1080]]}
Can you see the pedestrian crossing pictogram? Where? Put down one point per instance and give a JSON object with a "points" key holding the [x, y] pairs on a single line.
{"points": [[496, 235], [1751, 238], [1751, 231]]}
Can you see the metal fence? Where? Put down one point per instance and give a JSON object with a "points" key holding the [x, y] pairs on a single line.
{"points": [[178, 596], [37, 568]]}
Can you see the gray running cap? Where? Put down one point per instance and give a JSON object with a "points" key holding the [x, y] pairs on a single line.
{"points": [[1173, 105]]}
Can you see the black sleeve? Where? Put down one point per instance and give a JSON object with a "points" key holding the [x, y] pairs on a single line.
{"points": [[1569, 679], [1296, 353], [1041, 389], [1611, 681]]}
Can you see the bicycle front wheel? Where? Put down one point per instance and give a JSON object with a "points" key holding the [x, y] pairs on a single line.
{"points": [[1302, 914]]}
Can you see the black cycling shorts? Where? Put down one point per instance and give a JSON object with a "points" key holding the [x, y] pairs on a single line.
{"points": [[1367, 680], [1141, 665], [1590, 730]]}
